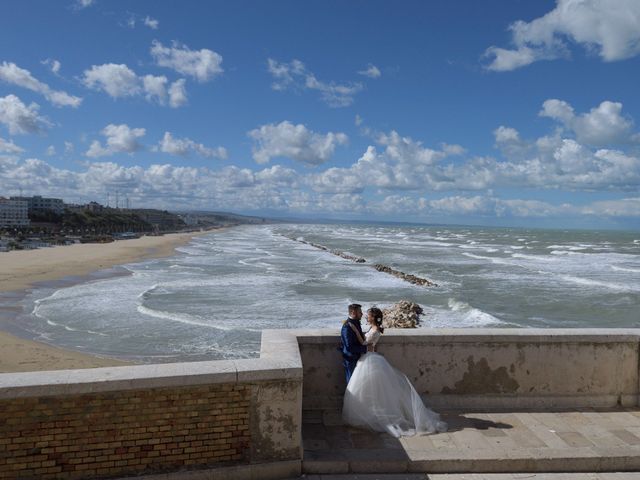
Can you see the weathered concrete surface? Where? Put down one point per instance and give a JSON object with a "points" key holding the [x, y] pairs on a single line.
{"points": [[275, 421], [490, 368], [571, 441]]}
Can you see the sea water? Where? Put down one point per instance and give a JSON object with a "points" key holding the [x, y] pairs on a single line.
{"points": [[212, 299]]}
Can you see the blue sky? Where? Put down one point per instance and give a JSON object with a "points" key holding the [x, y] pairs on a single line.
{"points": [[495, 112]]}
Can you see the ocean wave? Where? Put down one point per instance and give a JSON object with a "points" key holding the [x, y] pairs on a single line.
{"points": [[625, 269], [186, 319], [471, 316], [535, 258], [70, 329], [587, 282]]}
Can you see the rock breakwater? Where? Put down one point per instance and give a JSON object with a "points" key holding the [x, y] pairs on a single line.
{"points": [[404, 314], [407, 277]]}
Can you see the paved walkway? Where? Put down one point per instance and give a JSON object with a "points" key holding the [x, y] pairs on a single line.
{"points": [[574, 441], [481, 476]]}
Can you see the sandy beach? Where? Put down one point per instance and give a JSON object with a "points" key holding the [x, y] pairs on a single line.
{"points": [[21, 269]]}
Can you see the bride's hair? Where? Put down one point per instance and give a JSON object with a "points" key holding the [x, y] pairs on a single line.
{"points": [[377, 316]]}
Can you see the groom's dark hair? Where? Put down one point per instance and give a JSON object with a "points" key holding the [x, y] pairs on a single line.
{"points": [[354, 307]]}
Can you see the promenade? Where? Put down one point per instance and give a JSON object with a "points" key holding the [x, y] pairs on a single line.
{"points": [[584, 440]]}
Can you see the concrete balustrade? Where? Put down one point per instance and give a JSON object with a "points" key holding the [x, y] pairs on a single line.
{"points": [[243, 418], [490, 368]]}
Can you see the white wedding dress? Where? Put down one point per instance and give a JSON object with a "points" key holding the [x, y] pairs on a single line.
{"points": [[381, 398]]}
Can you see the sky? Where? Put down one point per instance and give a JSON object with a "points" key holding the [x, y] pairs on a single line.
{"points": [[500, 112]]}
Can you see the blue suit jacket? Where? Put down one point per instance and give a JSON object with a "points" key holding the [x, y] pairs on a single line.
{"points": [[350, 346]]}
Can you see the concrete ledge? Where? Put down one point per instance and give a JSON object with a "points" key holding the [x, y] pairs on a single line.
{"points": [[280, 361], [486, 335]]}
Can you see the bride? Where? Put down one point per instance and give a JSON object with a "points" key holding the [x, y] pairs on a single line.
{"points": [[381, 397]]}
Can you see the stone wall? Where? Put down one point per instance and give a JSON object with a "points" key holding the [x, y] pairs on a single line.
{"points": [[490, 369], [242, 419], [108, 433]]}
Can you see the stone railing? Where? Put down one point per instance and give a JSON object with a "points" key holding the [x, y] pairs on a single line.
{"points": [[490, 368], [242, 418]]}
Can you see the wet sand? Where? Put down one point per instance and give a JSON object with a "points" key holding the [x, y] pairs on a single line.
{"points": [[21, 269]]}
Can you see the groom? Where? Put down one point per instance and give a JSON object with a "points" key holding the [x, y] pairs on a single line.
{"points": [[350, 346]]}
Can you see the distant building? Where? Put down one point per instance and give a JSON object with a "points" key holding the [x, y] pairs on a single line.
{"points": [[38, 204], [14, 213], [94, 207]]}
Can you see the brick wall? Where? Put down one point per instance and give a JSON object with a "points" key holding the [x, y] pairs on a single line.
{"points": [[124, 432]]}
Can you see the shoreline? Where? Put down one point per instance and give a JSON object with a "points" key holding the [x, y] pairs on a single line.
{"points": [[21, 270]]}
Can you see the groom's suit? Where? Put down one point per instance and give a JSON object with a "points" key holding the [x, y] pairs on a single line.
{"points": [[351, 347]]}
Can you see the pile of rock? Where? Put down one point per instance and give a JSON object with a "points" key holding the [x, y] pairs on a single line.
{"points": [[346, 256], [405, 276], [404, 314], [379, 267], [338, 253]]}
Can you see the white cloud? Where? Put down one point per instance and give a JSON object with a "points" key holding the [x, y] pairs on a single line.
{"points": [[117, 80], [294, 141], [178, 93], [276, 188], [184, 146], [152, 23], [68, 148], [53, 64], [295, 75], [603, 125], [371, 71], [120, 81], [80, 4], [203, 65], [404, 164], [7, 146], [120, 139], [610, 28], [155, 88], [51, 151], [11, 73], [20, 118]]}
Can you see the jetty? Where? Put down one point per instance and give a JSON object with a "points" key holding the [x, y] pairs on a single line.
{"points": [[413, 279]]}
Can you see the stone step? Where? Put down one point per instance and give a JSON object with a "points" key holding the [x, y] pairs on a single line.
{"points": [[483, 443], [479, 476], [543, 460]]}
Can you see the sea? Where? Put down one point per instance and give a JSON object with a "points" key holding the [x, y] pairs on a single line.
{"points": [[213, 298]]}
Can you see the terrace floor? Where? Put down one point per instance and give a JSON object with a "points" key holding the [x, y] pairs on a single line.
{"points": [[514, 443]]}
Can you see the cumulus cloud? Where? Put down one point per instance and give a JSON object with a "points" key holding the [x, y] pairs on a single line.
{"points": [[51, 151], [610, 28], [178, 93], [294, 75], [602, 125], [53, 64], [21, 118], [184, 146], [203, 64], [152, 23], [119, 139], [294, 141], [119, 81], [371, 71], [7, 146], [14, 75]]}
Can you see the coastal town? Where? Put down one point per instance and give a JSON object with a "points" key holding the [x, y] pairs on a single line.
{"points": [[30, 222]]}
